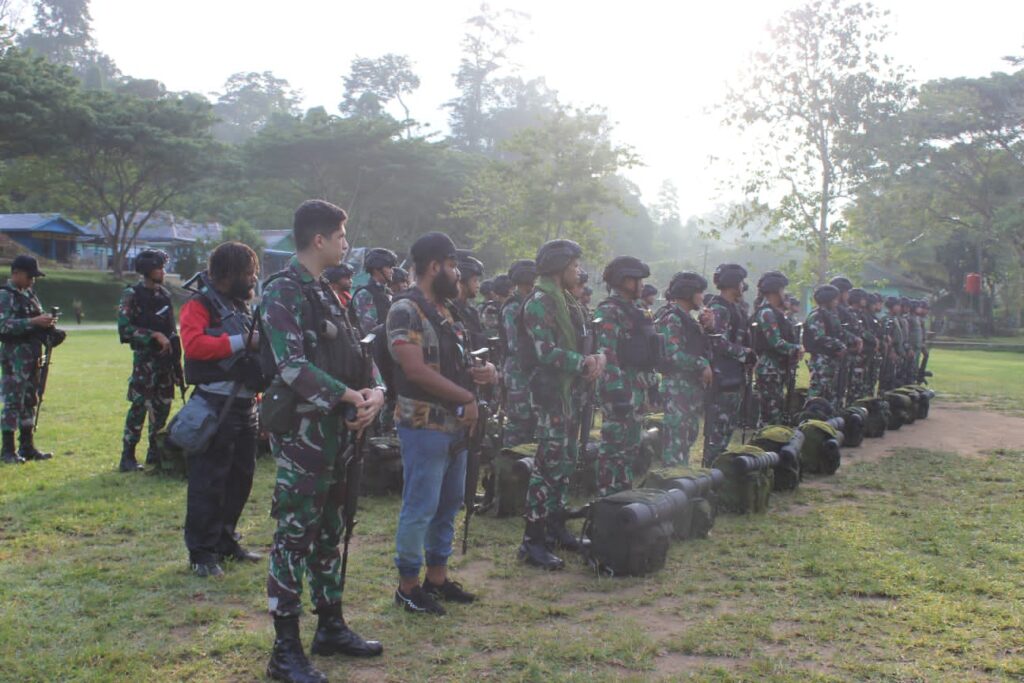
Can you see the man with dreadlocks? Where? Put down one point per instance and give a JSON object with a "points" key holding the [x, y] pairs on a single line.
{"points": [[775, 343]]}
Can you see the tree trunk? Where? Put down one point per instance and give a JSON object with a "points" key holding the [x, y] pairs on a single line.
{"points": [[823, 232]]}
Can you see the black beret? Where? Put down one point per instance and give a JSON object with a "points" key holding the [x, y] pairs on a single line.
{"points": [[434, 246]]}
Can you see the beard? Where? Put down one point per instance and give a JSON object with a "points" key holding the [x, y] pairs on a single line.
{"points": [[241, 290], [445, 287]]}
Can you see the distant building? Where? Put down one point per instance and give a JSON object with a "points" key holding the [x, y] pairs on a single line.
{"points": [[47, 235], [179, 237]]}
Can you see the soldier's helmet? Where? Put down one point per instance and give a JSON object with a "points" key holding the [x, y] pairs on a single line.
{"points": [[378, 258], [503, 285], [772, 281], [149, 260], [399, 276], [523, 272], [826, 294], [841, 283], [338, 272], [858, 296], [729, 275], [554, 256], [622, 267], [649, 290], [685, 284], [470, 266], [487, 287]]}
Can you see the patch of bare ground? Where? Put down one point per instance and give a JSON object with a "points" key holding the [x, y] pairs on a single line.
{"points": [[668, 665]]}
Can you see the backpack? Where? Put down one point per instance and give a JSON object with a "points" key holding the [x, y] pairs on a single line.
{"points": [[382, 467], [629, 531], [877, 420], [512, 470], [749, 478], [910, 416], [900, 406], [697, 517], [854, 420], [925, 396], [820, 452], [787, 442]]}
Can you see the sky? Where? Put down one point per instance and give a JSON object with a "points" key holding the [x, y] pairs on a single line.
{"points": [[659, 68]]}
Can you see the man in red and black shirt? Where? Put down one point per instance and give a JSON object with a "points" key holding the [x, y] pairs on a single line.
{"points": [[220, 360], [340, 279]]}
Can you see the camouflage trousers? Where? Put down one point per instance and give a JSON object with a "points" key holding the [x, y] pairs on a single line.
{"points": [[621, 429], [309, 495], [771, 388], [548, 491], [20, 393], [150, 392], [858, 382], [520, 418], [823, 377], [684, 406], [720, 422]]}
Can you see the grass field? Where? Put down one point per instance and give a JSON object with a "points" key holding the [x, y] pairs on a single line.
{"points": [[902, 569]]}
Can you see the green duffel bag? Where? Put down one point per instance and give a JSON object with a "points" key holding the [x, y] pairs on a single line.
{"points": [[855, 420], [820, 453], [925, 396], [900, 406], [382, 467], [787, 442], [512, 470], [697, 517], [915, 399], [877, 420], [629, 532], [749, 478]]}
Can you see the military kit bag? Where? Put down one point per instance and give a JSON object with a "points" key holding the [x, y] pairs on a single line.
{"points": [[749, 478], [877, 420], [924, 400], [512, 470], [787, 442], [912, 411], [822, 439], [697, 517], [629, 532], [854, 420], [900, 406]]}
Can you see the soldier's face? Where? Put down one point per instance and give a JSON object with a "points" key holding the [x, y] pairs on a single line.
{"points": [[344, 284], [571, 275], [388, 273], [446, 282], [21, 279], [156, 275], [332, 248], [472, 286]]}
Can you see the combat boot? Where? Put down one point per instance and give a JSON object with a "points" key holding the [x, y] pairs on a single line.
{"points": [[128, 461], [333, 636], [8, 454], [288, 662], [533, 550], [28, 449], [153, 453], [560, 537]]}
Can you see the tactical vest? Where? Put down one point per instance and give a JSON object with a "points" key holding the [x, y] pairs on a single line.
{"points": [[381, 302], [26, 305], [152, 310], [759, 337], [329, 340], [470, 318], [818, 345], [643, 348], [696, 344], [527, 351], [730, 373], [452, 351]]}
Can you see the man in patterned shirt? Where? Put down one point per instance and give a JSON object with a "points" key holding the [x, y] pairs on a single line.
{"points": [[775, 342]]}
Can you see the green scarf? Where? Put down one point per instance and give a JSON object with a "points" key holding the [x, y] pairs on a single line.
{"points": [[565, 332]]}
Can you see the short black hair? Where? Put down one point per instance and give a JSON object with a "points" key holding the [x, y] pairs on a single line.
{"points": [[315, 217], [229, 259]]}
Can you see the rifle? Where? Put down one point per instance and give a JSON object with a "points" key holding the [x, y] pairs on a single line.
{"points": [[587, 409], [353, 458], [473, 450], [791, 370], [44, 367], [746, 403]]}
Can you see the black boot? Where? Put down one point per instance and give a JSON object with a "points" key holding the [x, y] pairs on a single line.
{"points": [[28, 448], [333, 637], [533, 551], [8, 455], [288, 662], [153, 453], [560, 537], [128, 461]]}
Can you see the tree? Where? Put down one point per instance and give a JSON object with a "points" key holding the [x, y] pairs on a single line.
{"points": [[373, 83], [249, 102], [242, 231], [62, 32], [816, 95]]}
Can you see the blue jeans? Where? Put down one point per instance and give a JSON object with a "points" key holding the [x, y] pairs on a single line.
{"points": [[432, 494]]}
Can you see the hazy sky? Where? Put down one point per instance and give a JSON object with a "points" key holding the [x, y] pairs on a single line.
{"points": [[656, 66]]}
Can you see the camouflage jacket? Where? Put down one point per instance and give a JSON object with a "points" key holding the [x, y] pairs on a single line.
{"points": [[686, 346], [134, 331], [490, 318], [552, 353], [730, 329], [364, 306], [281, 315], [16, 308], [916, 339], [612, 326], [868, 330], [780, 351], [510, 331], [851, 325], [823, 333]]}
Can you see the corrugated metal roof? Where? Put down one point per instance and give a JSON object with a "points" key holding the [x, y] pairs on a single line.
{"points": [[39, 222]]}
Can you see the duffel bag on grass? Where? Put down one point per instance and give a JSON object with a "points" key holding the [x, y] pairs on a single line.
{"points": [[915, 400], [697, 517], [749, 478], [925, 396], [854, 423], [629, 532], [787, 442], [820, 452], [900, 406], [877, 420], [512, 470]]}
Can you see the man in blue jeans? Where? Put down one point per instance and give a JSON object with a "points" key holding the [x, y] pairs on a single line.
{"points": [[435, 412]]}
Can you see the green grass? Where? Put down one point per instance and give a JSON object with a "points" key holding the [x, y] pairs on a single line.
{"points": [[98, 292], [993, 378], [902, 570]]}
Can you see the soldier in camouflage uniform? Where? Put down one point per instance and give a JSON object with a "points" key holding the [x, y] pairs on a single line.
{"points": [[23, 326], [776, 345], [490, 310], [687, 369], [370, 303], [852, 336], [916, 325], [894, 345], [860, 378], [625, 331], [731, 355], [471, 272], [399, 281], [649, 297], [823, 338], [324, 374], [520, 417], [145, 320], [552, 330]]}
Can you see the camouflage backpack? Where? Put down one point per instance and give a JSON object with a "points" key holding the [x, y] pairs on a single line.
{"points": [[820, 452], [512, 470], [854, 421], [749, 478], [382, 467], [877, 420], [629, 532], [787, 442], [697, 516]]}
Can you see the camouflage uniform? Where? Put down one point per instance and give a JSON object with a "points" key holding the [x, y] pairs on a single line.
{"points": [[559, 363], [729, 347], [520, 417], [154, 376], [365, 313], [852, 331], [686, 356], [916, 339], [874, 334], [895, 341], [823, 339], [310, 488], [19, 357], [860, 380], [623, 392], [490, 318], [775, 343]]}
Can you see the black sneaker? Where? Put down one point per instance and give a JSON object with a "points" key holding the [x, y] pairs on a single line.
{"points": [[207, 569], [450, 591], [418, 602]]}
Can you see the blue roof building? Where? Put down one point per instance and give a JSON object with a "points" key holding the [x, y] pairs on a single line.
{"points": [[48, 235]]}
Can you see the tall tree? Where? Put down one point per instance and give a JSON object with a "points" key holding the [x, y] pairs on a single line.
{"points": [[249, 102], [814, 95], [373, 83], [62, 32]]}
